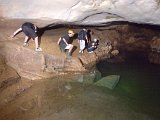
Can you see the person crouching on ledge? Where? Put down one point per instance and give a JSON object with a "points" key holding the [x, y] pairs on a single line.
{"points": [[30, 31], [63, 43]]}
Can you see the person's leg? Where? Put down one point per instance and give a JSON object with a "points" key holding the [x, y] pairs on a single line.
{"points": [[70, 48], [26, 41], [37, 45], [36, 42], [82, 45]]}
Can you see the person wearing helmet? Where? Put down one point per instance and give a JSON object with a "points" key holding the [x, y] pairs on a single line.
{"points": [[30, 31], [92, 46], [63, 42]]}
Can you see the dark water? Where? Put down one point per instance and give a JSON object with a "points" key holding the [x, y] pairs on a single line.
{"points": [[139, 82]]}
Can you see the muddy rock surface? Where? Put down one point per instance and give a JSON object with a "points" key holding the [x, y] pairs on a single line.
{"points": [[8, 75]]}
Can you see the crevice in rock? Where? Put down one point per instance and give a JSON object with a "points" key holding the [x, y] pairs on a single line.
{"points": [[111, 15], [70, 9]]}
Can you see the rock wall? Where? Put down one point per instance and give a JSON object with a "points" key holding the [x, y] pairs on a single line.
{"points": [[11, 84], [33, 65], [27, 63], [133, 38], [8, 75], [154, 55], [83, 11]]}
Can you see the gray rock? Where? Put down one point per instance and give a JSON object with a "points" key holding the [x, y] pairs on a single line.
{"points": [[109, 81], [83, 11], [98, 75]]}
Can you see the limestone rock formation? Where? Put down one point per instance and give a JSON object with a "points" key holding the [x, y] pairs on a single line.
{"points": [[83, 11], [8, 75]]}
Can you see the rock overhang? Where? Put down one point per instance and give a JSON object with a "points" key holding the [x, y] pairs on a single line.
{"points": [[86, 12]]}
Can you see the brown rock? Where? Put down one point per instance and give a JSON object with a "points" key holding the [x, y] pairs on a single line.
{"points": [[8, 75]]}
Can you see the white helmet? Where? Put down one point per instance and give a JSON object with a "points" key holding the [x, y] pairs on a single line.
{"points": [[95, 40]]}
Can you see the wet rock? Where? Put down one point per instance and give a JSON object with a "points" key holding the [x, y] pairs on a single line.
{"points": [[74, 65], [10, 93], [89, 78], [28, 63], [7, 82], [54, 63], [115, 52], [154, 55], [98, 75], [91, 59], [109, 81], [10, 85], [86, 78], [8, 75], [88, 60]]}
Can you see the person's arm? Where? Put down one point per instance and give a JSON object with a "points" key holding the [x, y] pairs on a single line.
{"points": [[59, 40], [16, 32], [86, 38], [35, 28]]}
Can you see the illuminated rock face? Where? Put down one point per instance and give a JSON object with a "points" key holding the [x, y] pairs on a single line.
{"points": [[83, 11]]}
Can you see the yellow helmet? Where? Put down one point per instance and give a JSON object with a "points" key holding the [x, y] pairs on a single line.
{"points": [[70, 32]]}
